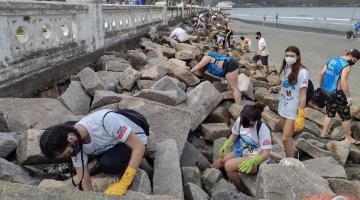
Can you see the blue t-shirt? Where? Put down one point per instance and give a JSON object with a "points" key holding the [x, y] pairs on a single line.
{"points": [[333, 73], [357, 26]]}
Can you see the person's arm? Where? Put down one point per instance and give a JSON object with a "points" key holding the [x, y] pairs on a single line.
{"points": [[302, 98], [322, 73], [264, 154], [204, 61], [86, 181], [299, 122], [343, 81], [138, 150]]}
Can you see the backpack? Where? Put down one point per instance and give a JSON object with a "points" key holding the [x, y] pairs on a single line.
{"points": [[133, 116], [309, 92], [212, 68]]}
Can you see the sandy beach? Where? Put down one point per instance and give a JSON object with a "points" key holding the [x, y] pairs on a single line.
{"points": [[316, 49]]}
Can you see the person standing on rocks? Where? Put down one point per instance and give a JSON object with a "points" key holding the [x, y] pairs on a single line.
{"points": [[263, 52], [220, 66], [295, 78], [251, 140], [116, 139], [333, 82]]}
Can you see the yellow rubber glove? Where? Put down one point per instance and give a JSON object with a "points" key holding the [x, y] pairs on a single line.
{"points": [[121, 187], [222, 151], [299, 121], [249, 164]]}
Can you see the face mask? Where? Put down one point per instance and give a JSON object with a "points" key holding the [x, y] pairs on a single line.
{"points": [[290, 60], [76, 148]]}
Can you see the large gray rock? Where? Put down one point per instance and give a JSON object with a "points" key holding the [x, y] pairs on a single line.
{"points": [[221, 114], [168, 83], [248, 181], [245, 86], [91, 81], [315, 116], [192, 157], [169, 97], [137, 59], [7, 144], [202, 100], [191, 175], [273, 178], [340, 150], [210, 177], [167, 178], [153, 71], [311, 149], [103, 98], [182, 74], [224, 190], [112, 63], [18, 114], [213, 131], [194, 192], [166, 122], [326, 167], [144, 84], [149, 45], [186, 54], [217, 145], [235, 110], [354, 154], [141, 183], [76, 99], [341, 186], [128, 78], [16, 191], [272, 119], [110, 79], [312, 127], [355, 111], [13, 173]]}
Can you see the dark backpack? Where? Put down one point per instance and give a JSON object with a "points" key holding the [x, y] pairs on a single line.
{"points": [[309, 91]]}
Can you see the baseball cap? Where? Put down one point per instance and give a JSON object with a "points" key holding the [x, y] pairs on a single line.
{"points": [[355, 53]]}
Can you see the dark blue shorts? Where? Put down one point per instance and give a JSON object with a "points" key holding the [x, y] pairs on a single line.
{"points": [[264, 59]]}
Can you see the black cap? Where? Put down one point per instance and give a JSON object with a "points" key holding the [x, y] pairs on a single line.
{"points": [[355, 53]]}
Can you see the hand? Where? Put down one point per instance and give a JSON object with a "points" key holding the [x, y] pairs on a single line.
{"points": [[299, 121], [222, 152], [120, 188], [349, 101], [249, 164]]}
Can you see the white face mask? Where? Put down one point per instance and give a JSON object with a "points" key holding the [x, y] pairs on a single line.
{"points": [[290, 60]]}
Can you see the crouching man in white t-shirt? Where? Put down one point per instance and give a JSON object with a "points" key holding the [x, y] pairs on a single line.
{"points": [[118, 142], [251, 140]]}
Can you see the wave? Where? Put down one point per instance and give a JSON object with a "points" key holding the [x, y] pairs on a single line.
{"points": [[335, 19], [308, 18]]}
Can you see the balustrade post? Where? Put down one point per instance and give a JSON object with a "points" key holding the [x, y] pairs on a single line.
{"points": [[165, 13], [183, 9]]}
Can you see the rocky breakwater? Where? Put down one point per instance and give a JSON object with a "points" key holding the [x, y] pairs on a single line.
{"points": [[189, 119]]}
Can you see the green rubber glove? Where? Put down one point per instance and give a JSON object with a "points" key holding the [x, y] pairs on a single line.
{"points": [[249, 164], [222, 152]]}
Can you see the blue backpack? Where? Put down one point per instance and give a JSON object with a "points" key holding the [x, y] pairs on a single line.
{"points": [[212, 68]]}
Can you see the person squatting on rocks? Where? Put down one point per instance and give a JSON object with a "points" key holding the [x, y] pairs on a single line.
{"points": [[251, 140], [220, 66], [246, 44], [292, 97], [180, 35], [228, 33], [263, 52], [117, 142], [333, 82]]}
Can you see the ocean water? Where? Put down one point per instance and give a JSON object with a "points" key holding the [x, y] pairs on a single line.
{"points": [[334, 18]]}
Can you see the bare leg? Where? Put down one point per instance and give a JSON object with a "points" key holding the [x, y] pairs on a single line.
{"points": [[346, 125], [287, 137], [326, 126], [232, 79], [232, 170], [219, 164]]}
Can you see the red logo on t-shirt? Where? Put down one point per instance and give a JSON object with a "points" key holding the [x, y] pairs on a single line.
{"points": [[122, 132], [266, 142]]}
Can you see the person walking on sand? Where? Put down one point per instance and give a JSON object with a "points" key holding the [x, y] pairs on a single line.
{"points": [[357, 28], [264, 20], [333, 82], [251, 140], [292, 97], [263, 52], [276, 19]]}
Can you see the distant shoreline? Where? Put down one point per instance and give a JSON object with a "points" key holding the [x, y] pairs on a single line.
{"points": [[294, 27]]}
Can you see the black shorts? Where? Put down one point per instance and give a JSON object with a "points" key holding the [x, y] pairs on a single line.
{"points": [[115, 160], [230, 66], [264, 59], [337, 103]]}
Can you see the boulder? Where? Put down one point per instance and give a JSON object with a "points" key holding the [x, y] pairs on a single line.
{"points": [[260, 84], [13, 173], [217, 145], [177, 62], [224, 190], [192, 157], [210, 177], [167, 178], [161, 61], [137, 59], [91, 81], [191, 175], [170, 97], [213, 131], [194, 192], [184, 47], [149, 45], [110, 79], [245, 86], [76, 99], [154, 54], [128, 78], [186, 55], [18, 114], [314, 116], [144, 84], [341, 186], [141, 183], [170, 84], [218, 84], [182, 74], [248, 182], [103, 98], [153, 72], [273, 178], [353, 171], [277, 152], [355, 111], [112, 63], [273, 80], [326, 167], [272, 119], [259, 75], [235, 110], [166, 122], [246, 64], [8, 144], [354, 154], [312, 127], [340, 150], [272, 100], [260, 94], [220, 114], [201, 101], [212, 78], [144, 165], [311, 149]]}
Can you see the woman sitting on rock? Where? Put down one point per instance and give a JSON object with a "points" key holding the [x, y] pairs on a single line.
{"points": [[251, 140], [220, 66]]}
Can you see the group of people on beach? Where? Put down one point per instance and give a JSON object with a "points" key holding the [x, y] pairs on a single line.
{"points": [[118, 138]]}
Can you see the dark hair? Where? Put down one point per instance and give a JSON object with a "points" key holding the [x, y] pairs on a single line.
{"points": [[258, 33], [295, 68], [242, 38], [252, 112], [54, 139]]}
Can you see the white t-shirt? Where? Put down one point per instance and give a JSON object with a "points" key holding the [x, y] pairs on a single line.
{"points": [[263, 141], [118, 128], [179, 34], [262, 44], [290, 94]]}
